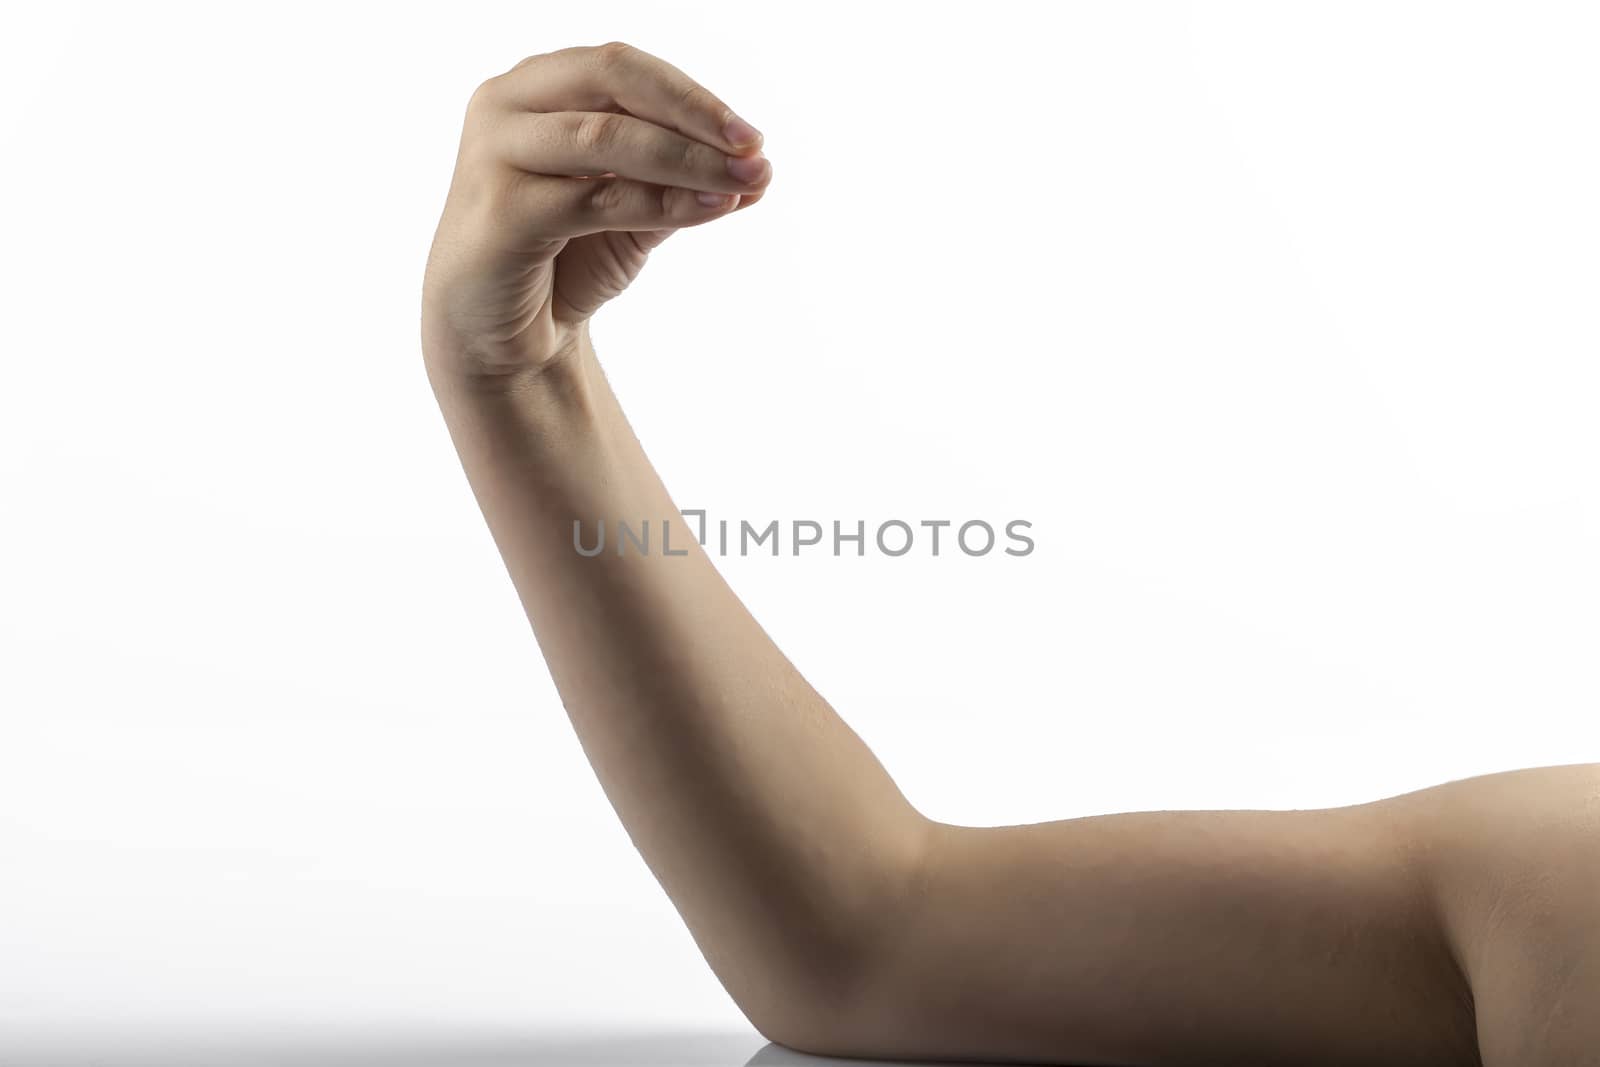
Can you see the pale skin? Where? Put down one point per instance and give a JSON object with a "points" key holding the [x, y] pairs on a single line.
{"points": [[1454, 925]]}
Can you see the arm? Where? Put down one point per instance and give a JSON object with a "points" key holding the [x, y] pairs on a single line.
{"points": [[773, 829], [839, 918], [780, 839]]}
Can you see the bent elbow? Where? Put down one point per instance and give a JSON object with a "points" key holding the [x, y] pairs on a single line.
{"points": [[844, 987]]}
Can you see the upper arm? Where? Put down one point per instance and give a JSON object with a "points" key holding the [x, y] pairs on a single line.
{"points": [[1173, 937]]}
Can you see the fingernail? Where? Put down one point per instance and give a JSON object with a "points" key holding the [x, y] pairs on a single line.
{"points": [[740, 132], [712, 199], [748, 169]]}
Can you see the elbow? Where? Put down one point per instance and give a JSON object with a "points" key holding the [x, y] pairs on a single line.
{"points": [[850, 1017], [845, 986]]}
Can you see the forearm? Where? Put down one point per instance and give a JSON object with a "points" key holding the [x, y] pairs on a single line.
{"points": [[776, 833], [840, 919]]}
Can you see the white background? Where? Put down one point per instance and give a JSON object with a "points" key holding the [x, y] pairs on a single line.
{"points": [[1276, 321]]}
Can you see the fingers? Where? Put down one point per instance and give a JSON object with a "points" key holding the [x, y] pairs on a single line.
{"points": [[611, 138], [617, 76], [570, 207], [588, 143]]}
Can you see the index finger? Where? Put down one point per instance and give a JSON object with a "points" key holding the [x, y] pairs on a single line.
{"points": [[620, 77]]}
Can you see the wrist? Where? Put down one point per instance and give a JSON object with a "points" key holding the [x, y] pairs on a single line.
{"points": [[455, 367], [560, 392]]}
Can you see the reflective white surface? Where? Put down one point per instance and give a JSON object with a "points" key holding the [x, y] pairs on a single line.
{"points": [[397, 1047]]}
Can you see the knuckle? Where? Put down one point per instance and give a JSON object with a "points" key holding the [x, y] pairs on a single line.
{"points": [[686, 154], [491, 89], [613, 53], [605, 198], [484, 96], [597, 131], [480, 146]]}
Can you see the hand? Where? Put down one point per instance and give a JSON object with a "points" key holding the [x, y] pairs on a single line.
{"points": [[572, 166]]}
